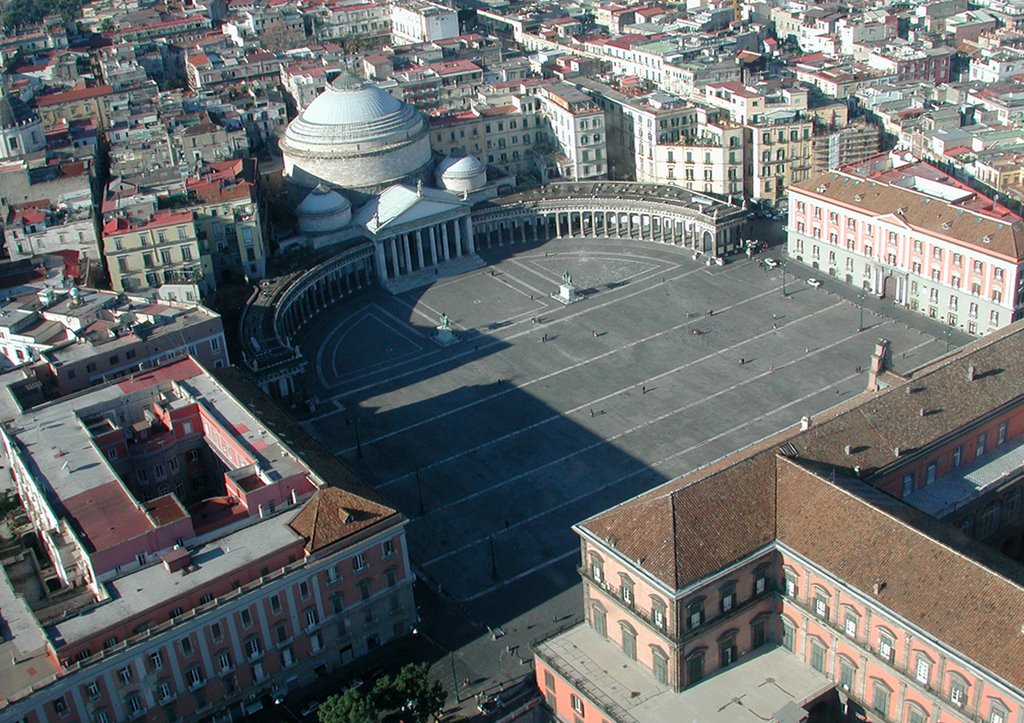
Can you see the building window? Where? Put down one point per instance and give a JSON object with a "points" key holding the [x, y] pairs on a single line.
{"points": [[958, 693], [980, 450], [246, 618], [304, 589], [659, 666], [727, 652], [846, 673], [790, 584], [850, 624], [1002, 434], [880, 694], [908, 484], [760, 580], [997, 713], [275, 603], [885, 646], [922, 671], [788, 635], [358, 562], [821, 605], [695, 667], [628, 641], [817, 655], [253, 648], [93, 691], [728, 598], [577, 704], [186, 645], [626, 591], [156, 661], [224, 661], [958, 453], [387, 549], [658, 613], [695, 614], [931, 471]]}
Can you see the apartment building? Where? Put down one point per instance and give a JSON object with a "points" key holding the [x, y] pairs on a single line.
{"points": [[779, 132], [418, 21], [444, 86], [822, 593], [840, 146], [68, 339], [910, 233], [161, 249], [370, 22], [638, 124], [577, 130], [712, 160], [204, 563], [81, 103], [228, 220]]}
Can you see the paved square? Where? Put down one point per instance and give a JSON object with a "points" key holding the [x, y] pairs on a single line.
{"points": [[509, 439]]}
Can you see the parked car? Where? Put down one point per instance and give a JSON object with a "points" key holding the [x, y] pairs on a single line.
{"points": [[309, 708], [771, 263], [813, 283]]}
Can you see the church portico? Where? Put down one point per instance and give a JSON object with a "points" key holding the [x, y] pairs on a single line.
{"points": [[416, 231]]}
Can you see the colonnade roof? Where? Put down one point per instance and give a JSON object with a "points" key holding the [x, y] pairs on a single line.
{"points": [[621, 191]]}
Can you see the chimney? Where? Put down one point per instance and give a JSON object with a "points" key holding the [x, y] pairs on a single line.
{"points": [[848, 449], [970, 373], [805, 423], [920, 412], [896, 452], [879, 363]]}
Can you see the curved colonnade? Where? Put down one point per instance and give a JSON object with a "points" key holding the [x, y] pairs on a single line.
{"points": [[280, 307], [604, 209]]}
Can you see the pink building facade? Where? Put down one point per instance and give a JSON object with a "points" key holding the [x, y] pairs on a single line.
{"points": [[914, 236]]}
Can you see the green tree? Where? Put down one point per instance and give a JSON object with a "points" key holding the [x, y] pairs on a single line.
{"points": [[350, 707], [411, 693], [409, 697]]}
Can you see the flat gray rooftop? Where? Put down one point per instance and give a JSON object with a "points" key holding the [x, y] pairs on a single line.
{"points": [[760, 687], [509, 439]]}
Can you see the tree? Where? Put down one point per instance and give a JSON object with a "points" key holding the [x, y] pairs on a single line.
{"points": [[409, 697], [410, 693], [350, 707]]}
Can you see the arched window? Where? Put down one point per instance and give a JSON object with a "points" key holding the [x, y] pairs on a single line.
{"points": [[599, 619], [695, 665], [628, 640], [658, 613], [659, 664], [626, 589], [958, 690], [596, 568]]}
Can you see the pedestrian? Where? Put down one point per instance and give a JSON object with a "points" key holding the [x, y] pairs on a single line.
{"points": [[591, 412], [595, 333], [742, 361], [775, 326]]}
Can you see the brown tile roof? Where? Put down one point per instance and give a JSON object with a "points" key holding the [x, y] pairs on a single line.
{"points": [[919, 212], [892, 418], [961, 602], [333, 514], [682, 523]]}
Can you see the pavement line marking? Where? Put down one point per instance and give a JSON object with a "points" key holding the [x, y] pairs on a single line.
{"points": [[575, 550], [635, 428], [597, 400], [556, 320], [557, 372]]}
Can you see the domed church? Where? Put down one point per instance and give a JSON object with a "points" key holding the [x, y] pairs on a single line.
{"points": [[356, 138]]}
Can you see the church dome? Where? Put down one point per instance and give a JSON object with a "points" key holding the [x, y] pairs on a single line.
{"points": [[323, 211], [462, 173], [356, 137]]}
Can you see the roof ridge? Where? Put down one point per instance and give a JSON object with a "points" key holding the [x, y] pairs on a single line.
{"points": [[920, 533]]}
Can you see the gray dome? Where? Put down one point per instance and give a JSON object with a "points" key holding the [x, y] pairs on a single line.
{"points": [[348, 103], [464, 167], [323, 211], [322, 201]]}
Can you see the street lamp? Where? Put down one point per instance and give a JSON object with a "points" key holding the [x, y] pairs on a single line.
{"points": [[783, 265], [949, 338], [861, 297], [419, 491]]}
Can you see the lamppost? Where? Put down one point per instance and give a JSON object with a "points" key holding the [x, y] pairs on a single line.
{"points": [[949, 338], [419, 492], [861, 297], [783, 265]]}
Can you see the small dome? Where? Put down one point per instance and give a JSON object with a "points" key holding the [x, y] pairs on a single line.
{"points": [[321, 201], [464, 167], [323, 211]]}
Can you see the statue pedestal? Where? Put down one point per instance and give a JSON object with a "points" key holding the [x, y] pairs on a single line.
{"points": [[567, 294], [445, 336]]}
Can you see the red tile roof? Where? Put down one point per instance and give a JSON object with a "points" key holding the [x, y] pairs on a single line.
{"points": [[73, 95], [107, 516]]}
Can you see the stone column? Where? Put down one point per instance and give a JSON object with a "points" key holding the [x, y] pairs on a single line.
{"points": [[470, 247], [407, 251], [434, 259], [458, 239], [394, 258], [444, 240], [419, 248], [558, 225]]}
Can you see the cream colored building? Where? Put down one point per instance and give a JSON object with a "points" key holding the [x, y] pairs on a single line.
{"points": [[710, 162], [577, 125], [163, 249]]}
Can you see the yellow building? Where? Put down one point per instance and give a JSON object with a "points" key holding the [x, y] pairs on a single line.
{"points": [[164, 249]]}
